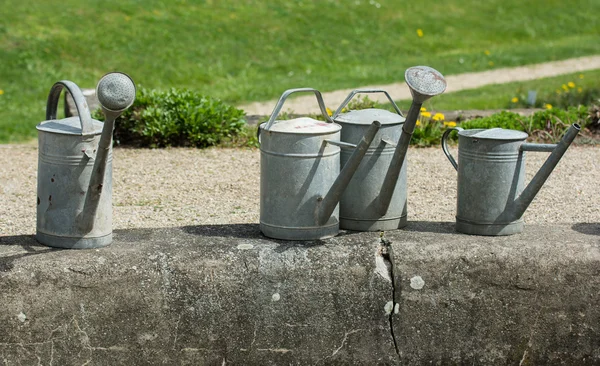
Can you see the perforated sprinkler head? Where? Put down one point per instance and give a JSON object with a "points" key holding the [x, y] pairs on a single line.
{"points": [[116, 91], [424, 82]]}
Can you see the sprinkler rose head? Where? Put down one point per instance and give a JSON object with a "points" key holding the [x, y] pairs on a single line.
{"points": [[424, 82], [116, 91]]}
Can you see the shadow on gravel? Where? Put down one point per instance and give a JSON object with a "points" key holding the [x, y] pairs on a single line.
{"points": [[21, 246], [587, 228]]}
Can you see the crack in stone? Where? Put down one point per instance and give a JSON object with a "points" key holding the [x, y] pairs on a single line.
{"points": [[385, 252]]}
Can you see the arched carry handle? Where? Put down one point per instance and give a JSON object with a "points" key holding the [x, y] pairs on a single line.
{"points": [[87, 128], [286, 94], [365, 91], [445, 145]]}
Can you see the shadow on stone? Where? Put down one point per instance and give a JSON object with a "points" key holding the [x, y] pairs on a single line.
{"points": [[248, 231], [436, 227], [26, 243], [587, 228], [242, 231]]}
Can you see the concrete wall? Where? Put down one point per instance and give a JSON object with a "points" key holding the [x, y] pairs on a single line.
{"points": [[214, 295]]}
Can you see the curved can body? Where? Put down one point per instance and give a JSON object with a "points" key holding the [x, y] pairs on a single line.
{"points": [[359, 206], [490, 178], [296, 172], [65, 163]]}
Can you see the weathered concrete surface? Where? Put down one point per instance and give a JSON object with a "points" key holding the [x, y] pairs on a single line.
{"points": [[218, 295]]}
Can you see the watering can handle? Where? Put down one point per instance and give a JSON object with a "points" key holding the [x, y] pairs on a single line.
{"points": [[445, 145], [284, 96], [83, 110], [365, 91]]}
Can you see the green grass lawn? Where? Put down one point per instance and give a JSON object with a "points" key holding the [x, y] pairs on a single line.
{"points": [[499, 96], [249, 50]]}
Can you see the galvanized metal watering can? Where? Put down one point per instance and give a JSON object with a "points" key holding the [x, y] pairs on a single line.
{"points": [[492, 196], [74, 203], [301, 182], [376, 197]]}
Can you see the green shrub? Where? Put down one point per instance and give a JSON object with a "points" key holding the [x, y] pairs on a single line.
{"points": [[548, 125], [177, 117]]}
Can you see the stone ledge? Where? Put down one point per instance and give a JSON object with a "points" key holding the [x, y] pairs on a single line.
{"points": [[227, 295]]}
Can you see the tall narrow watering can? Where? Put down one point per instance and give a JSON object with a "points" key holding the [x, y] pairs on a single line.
{"points": [[376, 198], [359, 206], [491, 196], [300, 178], [74, 202]]}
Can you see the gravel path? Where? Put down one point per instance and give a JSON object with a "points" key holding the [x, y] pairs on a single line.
{"points": [[180, 187], [306, 103]]}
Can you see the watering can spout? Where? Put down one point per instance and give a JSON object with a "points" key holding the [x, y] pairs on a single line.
{"points": [[424, 83], [116, 93], [333, 196], [558, 150]]}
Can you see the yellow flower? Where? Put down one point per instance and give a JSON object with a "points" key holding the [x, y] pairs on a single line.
{"points": [[127, 18], [548, 106], [487, 52], [581, 76], [420, 32], [558, 91], [438, 117], [571, 84], [565, 87], [1, 91], [423, 109], [491, 63], [329, 112], [450, 124], [579, 90], [514, 99], [418, 123], [426, 114]]}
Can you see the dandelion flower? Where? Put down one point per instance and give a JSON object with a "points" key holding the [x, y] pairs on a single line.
{"points": [[487, 52], [548, 106], [581, 76], [418, 123], [514, 99], [579, 90], [329, 111], [571, 84], [450, 124], [420, 32], [423, 109], [565, 87], [1, 91], [426, 114], [558, 91], [438, 117]]}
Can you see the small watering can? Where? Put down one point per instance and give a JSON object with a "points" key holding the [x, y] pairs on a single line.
{"points": [[491, 199], [376, 197], [301, 182], [74, 188]]}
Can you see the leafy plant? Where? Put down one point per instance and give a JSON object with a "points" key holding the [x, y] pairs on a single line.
{"points": [[177, 117], [548, 125]]}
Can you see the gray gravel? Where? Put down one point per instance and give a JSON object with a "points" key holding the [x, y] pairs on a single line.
{"points": [[180, 187]]}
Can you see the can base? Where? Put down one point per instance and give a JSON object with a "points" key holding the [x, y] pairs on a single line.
{"points": [[72, 242], [383, 224], [467, 227], [299, 233]]}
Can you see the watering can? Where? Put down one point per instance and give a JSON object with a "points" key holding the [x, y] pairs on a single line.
{"points": [[491, 196], [301, 182], [74, 188], [376, 197]]}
